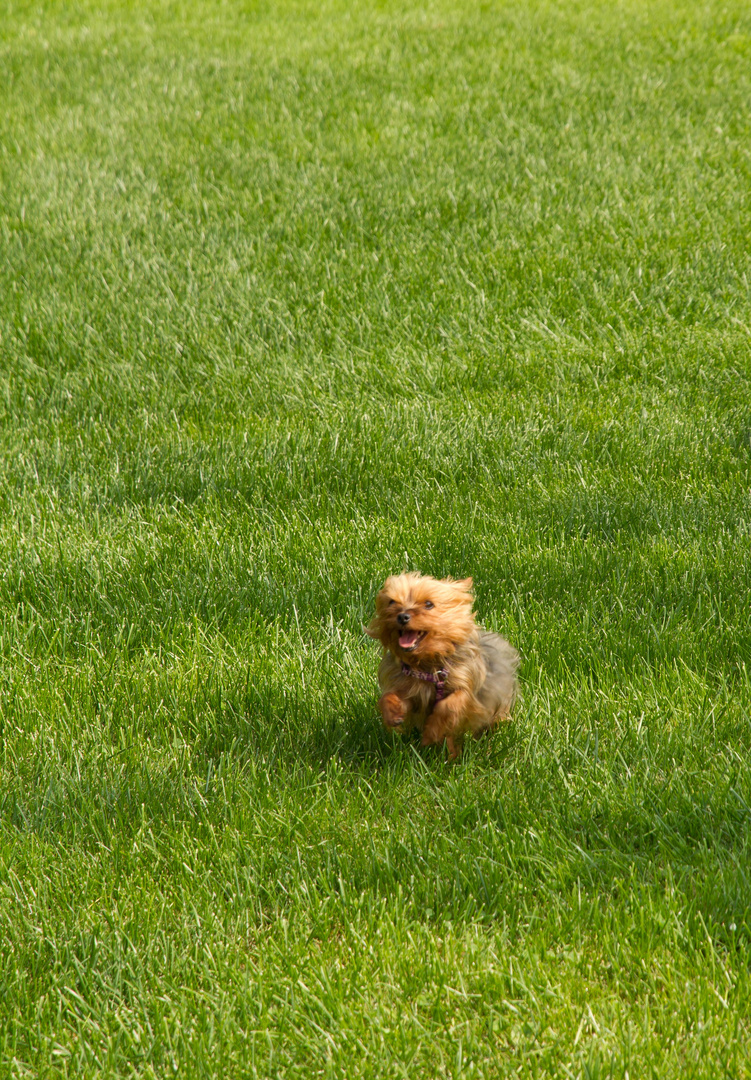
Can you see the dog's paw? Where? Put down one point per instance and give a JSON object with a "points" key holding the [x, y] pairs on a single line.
{"points": [[432, 733], [393, 710]]}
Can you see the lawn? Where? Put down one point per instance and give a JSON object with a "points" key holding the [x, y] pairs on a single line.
{"points": [[294, 296]]}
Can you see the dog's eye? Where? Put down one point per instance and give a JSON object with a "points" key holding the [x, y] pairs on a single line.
{"points": [[429, 603], [391, 602]]}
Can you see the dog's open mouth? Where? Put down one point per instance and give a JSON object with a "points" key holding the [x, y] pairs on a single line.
{"points": [[410, 639]]}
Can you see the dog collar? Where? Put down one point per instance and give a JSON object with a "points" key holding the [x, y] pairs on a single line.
{"points": [[438, 678]]}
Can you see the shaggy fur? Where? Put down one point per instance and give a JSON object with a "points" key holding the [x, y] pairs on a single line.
{"points": [[440, 672]]}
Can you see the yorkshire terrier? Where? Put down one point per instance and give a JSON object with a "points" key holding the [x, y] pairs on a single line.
{"points": [[440, 672]]}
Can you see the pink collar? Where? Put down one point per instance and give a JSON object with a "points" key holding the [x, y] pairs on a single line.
{"points": [[439, 678]]}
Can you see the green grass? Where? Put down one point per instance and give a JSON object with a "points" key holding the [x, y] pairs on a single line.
{"points": [[292, 297]]}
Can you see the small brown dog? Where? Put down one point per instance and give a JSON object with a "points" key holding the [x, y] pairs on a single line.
{"points": [[440, 672]]}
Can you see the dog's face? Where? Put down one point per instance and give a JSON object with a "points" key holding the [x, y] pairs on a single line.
{"points": [[418, 618]]}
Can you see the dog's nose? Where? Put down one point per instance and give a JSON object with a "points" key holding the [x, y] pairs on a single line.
{"points": [[403, 618]]}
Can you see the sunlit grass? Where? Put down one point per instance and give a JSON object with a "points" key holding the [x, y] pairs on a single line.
{"points": [[290, 299]]}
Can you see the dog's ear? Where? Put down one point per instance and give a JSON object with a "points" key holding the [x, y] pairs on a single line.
{"points": [[466, 584]]}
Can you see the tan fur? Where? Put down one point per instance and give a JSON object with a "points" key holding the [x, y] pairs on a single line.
{"points": [[481, 682]]}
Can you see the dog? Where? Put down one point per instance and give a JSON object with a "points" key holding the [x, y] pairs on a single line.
{"points": [[440, 672]]}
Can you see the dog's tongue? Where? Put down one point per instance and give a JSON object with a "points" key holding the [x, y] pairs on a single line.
{"points": [[409, 637]]}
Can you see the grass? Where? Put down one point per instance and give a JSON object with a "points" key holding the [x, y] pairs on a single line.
{"points": [[292, 297]]}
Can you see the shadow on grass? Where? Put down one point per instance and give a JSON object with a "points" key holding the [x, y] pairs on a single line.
{"points": [[282, 724]]}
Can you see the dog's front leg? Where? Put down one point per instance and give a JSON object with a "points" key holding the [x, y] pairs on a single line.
{"points": [[394, 709], [444, 722]]}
